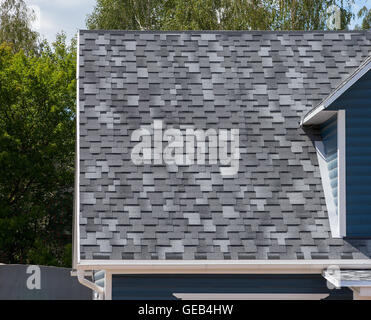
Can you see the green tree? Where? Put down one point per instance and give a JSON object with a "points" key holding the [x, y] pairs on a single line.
{"points": [[217, 14], [366, 21], [37, 134], [15, 25], [126, 14]]}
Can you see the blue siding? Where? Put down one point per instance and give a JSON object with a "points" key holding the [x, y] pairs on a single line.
{"points": [[162, 287], [329, 138], [357, 103]]}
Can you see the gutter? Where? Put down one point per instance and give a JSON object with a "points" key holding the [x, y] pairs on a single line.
{"points": [[91, 285], [221, 266]]}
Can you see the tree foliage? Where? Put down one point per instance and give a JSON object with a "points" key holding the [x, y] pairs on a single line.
{"points": [[365, 14], [15, 25], [37, 113], [217, 14], [126, 14]]}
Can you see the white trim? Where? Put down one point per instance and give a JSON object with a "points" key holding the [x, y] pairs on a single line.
{"points": [[330, 203], [319, 116], [359, 73], [108, 286], [251, 296], [77, 218], [87, 273], [361, 293], [337, 216], [220, 266], [341, 136], [310, 118]]}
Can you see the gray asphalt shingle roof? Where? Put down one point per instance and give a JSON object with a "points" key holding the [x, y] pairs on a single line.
{"points": [[259, 82]]}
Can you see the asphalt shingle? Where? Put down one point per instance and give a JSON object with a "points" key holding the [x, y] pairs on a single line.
{"points": [[261, 83]]}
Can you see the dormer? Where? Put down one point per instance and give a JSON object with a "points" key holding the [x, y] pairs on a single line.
{"points": [[344, 153]]}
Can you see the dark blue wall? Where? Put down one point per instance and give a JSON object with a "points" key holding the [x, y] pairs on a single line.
{"points": [[357, 104], [162, 287]]}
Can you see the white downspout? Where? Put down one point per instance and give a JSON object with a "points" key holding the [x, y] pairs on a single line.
{"points": [[85, 282]]}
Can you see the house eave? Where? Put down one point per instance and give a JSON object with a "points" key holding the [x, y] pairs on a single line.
{"points": [[221, 266]]}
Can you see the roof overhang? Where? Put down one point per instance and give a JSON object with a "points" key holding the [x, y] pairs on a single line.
{"points": [[221, 266], [319, 114]]}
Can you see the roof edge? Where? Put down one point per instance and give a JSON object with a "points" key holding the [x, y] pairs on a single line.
{"points": [[221, 266], [315, 116]]}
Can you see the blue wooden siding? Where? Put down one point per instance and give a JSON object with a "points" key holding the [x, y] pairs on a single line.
{"points": [[357, 104], [162, 287], [329, 138]]}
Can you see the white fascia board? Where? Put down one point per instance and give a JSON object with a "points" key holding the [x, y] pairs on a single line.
{"points": [[76, 248], [313, 117], [251, 296], [329, 199], [320, 116], [363, 291], [221, 266], [337, 216], [341, 145], [108, 286], [311, 114]]}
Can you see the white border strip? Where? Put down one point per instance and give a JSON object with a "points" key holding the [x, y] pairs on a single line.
{"points": [[77, 218], [108, 286], [337, 217], [251, 296], [342, 195], [220, 266], [329, 199]]}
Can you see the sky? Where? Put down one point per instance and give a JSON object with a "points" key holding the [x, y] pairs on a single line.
{"points": [[69, 15], [53, 16], [357, 6]]}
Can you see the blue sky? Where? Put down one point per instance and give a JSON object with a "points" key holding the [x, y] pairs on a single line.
{"points": [[357, 6], [70, 15]]}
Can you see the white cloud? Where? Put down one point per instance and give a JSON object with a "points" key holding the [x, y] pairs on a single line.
{"points": [[60, 15], [37, 12], [63, 3]]}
